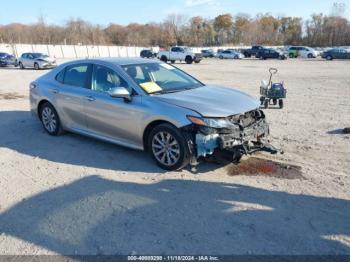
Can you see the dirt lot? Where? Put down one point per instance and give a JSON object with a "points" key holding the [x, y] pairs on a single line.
{"points": [[75, 195]]}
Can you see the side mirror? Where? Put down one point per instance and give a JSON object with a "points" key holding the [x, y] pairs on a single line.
{"points": [[120, 92]]}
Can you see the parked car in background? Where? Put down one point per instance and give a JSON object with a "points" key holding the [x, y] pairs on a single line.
{"points": [[208, 53], [36, 60], [230, 54], [180, 53], [270, 53], [302, 51], [149, 105], [148, 53], [8, 60], [252, 51], [336, 53]]}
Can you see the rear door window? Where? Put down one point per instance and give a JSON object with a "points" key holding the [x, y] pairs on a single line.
{"points": [[76, 75], [60, 76]]}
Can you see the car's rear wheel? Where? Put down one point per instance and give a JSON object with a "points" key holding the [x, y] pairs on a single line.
{"points": [[310, 56], [164, 59], [188, 60], [36, 66], [329, 58], [221, 57], [50, 119], [168, 147]]}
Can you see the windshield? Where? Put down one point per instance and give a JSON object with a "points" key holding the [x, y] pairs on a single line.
{"points": [[162, 78], [39, 55]]}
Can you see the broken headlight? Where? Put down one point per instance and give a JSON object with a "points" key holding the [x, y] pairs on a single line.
{"points": [[213, 122]]}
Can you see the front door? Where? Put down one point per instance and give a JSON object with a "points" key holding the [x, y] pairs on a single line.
{"points": [[110, 117]]}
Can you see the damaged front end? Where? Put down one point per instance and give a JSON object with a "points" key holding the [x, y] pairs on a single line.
{"points": [[235, 135]]}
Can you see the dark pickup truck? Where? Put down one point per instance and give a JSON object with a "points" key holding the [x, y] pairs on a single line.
{"points": [[252, 51]]}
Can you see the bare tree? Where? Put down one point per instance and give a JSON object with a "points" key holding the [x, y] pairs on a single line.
{"points": [[319, 30], [176, 23]]}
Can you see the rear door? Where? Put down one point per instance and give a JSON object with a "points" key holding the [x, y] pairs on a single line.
{"points": [[71, 92], [174, 54]]}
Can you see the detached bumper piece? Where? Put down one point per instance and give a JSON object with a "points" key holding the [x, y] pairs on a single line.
{"points": [[241, 141], [252, 133]]}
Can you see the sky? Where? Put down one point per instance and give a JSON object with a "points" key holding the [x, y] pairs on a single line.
{"points": [[104, 12]]}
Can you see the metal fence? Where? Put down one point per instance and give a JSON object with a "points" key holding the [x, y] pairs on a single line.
{"points": [[74, 51], [84, 51]]}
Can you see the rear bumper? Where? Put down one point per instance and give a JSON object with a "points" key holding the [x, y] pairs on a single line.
{"points": [[198, 57]]}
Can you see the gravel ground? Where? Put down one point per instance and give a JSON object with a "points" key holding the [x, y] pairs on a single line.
{"points": [[74, 195]]}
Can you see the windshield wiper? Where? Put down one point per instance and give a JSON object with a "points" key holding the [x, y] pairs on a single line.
{"points": [[161, 92]]}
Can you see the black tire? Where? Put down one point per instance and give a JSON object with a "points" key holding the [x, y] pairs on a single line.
{"points": [[291, 55], [329, 58], [21, 66], [310, 56], [262, 100], [236, 57], [164, 59], [36, 66], [266, 104], [274, 101], [188, 60], [183, 157], [58, 129], [172, 61], [280, 103], [197, 61], [221, 57]]}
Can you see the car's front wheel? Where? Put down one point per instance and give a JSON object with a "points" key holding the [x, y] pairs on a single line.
{"points": [[36, 66], [168, 147], [50, 119]]}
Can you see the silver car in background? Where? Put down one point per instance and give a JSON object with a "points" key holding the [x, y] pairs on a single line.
{"points": [[149, 105], [230, 54], [36, 61]]}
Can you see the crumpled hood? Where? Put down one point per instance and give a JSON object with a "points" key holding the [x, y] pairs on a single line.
{"points": [[212, 101]]}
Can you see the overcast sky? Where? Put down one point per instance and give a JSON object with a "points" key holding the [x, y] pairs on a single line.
{"points": [[123, 12]]}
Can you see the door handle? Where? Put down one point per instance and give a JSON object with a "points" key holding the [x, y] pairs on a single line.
{"points": [[55, 91], [90, 98]]}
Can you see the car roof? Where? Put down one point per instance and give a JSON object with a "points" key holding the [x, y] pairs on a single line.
{"points": [[121, 61]]}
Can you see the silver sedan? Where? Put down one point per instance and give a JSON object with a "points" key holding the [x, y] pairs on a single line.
{"points": [[149, 105], [36, 61]]}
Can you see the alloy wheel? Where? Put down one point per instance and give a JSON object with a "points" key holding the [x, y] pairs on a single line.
{"points": [[165, 148], [49, 119]]}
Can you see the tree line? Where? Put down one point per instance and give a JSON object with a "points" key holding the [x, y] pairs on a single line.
{"points": [[176, 29]]}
